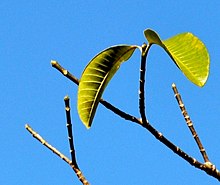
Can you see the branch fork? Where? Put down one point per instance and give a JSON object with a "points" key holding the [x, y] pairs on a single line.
{"points": [[73, 163], [207, 166]]}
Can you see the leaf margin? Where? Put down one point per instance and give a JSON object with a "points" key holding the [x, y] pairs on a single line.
{"points": [[153, 38], [106, 79]]}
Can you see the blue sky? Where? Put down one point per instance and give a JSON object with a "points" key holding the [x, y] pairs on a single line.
{"points": [[113, 151]]}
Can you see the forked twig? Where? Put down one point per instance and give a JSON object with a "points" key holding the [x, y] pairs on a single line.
{"points": [[209, 169], [158, 135], [70, 138], [59, 154]]}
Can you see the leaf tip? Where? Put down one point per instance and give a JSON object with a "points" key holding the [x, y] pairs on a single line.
{"points": [[152, 37], [202, 83], [87, 125], [86, 122]]}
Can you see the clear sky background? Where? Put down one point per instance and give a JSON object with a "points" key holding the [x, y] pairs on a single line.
{"points": [[113, 151]]}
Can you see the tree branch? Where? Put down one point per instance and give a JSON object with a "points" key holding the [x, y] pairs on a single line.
{"points": [[209, 169], [189, 123], [72, 78], [69, 129], [59, 154], [66, 73], [145, 48]]}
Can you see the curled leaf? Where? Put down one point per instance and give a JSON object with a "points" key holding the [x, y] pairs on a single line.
{"points": [[188, 52], [152, 37], [95, 78]]}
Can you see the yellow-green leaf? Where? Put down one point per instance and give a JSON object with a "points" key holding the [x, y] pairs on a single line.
{"points": [[95, 78], [188, 53]]}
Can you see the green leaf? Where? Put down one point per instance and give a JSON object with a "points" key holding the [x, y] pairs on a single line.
{"points": [[95, 78], [152, 37], [188, 52]]}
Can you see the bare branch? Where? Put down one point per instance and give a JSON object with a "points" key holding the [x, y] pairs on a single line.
{"points": [[145, 49], [189, 123], [69, 129], [207, 167], [59, 154], [66, 73], [119, 112]]}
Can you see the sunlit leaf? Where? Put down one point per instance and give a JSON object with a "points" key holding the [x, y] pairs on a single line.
{"points": [[95, 78], [188, 53]]}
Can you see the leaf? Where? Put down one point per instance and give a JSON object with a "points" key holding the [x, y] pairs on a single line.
{"points": [[95, 78], [188, 52], [152, 37]]}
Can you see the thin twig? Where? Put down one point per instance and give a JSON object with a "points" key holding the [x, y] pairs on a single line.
{"points": [[119, 112], [209, 169], [145, 49], [58, 153], [189, 123], [69, 129], [70, 137], [66, 73]]}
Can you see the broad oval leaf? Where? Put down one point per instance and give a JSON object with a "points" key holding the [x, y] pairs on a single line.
{"points": [[188, 53], [95, 78]]}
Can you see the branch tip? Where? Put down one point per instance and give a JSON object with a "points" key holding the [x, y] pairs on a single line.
{"points": [[53, 62], [173, 85], [66, 98]]}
